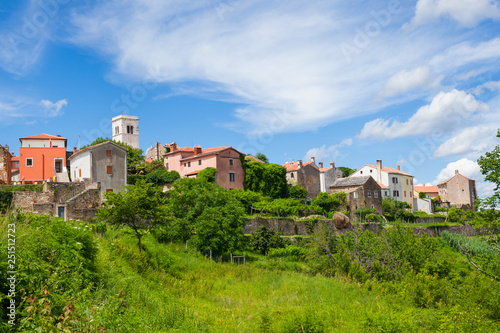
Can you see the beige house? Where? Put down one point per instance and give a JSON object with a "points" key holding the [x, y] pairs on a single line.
{"points": [[458, 191], [305, 174]]}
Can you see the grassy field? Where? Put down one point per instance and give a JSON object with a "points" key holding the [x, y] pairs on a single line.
{"points": [[167, 288]]}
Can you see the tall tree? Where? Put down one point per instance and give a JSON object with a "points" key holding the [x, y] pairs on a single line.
{"points": [[268, 179], [490, 168], [262, 157], [139, 208]]}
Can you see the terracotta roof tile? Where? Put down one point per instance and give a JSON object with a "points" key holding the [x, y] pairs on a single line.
{"points": [[391, 170], [426, 189], [381, 185], [447, 180], [42, 137]]}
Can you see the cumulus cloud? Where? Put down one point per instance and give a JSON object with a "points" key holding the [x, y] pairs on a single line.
{"points": [[447, 111], [473, 140], [490, 85], [466, 12], [325, 153], [54, 109]]}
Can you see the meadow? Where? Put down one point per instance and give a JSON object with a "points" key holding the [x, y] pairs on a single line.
{"points": [[72, 279]]}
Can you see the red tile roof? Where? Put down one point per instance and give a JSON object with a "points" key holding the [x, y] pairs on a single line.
{"points": [[325, 169], [381, 185], [42, 137], [291, 166], [15, 158], [426, 189], [97, 145], [206, 151], [391, 170]]}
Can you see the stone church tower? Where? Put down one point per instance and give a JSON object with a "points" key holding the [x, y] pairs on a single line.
{"points": [[126, 130]]}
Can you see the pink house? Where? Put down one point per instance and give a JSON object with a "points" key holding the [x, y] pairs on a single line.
{"points": [[189, 161]]}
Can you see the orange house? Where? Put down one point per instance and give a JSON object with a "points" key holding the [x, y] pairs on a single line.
{"points": [[42, 157]]}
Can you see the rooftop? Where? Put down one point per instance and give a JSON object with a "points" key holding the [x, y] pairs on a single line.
{"points": [[390, 170], [42, 137], [351, 181]]}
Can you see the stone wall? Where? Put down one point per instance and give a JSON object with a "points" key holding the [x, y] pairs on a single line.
{"points": [[5, 165], [289, 228]]}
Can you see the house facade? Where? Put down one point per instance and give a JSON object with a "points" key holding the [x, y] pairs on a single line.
{"points": [[399, 183], [305, 174], [155, 152], [328, 175], [362, 192], [188, 161], [104, 163], [43, 157], [430, 192], [458, 191], [5, 165]]}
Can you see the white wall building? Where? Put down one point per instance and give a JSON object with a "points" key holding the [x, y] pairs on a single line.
{"points": [[399, 183], [126, 130]]}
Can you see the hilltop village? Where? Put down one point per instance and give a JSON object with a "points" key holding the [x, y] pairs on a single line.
{"points": [[75, 180]]}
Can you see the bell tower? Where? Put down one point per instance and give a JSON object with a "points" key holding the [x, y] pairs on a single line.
{"points": [[126, 129]]}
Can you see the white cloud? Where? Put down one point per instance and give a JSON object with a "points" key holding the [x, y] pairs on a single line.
{"points": [[466, 12], [404, 81], [54, 109], [325, 153], [467, 168], [490, 85], [473, 140], [268, 56], [447, 111]]}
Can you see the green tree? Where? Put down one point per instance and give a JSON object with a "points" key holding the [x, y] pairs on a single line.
{"points": [[328, 202], [347, 171], [138, 207], [268, 179], [296, 191], [208, 174], [264, 239], [162, 177], [421, 195], [262, 157], [206, 213], [490, 168]]}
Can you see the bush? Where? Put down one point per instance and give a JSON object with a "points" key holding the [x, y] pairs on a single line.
{"points": [[162, 177], [291, 252]]}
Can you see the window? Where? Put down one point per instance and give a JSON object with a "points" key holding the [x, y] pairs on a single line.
{"points": [[108, 153], [361, 172], [291, 175], [394, 180], [166, 166], [117, 130], [128, 129], [371, 170], [386, 193], [411, 182], [109, 169], [109, 190], [375, 194], [189, 164], [411, 194], [199, 162], [58, 166], [231, 177], [231, 161], [405, 193], [185, 164], [355, 194], [29, 162], [368, 193], [80, 173], [395, 194], [131, 129], [407, 182]]}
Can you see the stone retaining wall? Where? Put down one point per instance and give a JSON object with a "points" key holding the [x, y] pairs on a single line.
{"points": [[289, 228]]}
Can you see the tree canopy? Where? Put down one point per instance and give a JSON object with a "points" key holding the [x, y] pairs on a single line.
{"points": [[262, 157], [268, 179], [138, 207]]}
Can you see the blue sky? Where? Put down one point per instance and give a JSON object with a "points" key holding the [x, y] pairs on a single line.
{"points": [[413, 83]]}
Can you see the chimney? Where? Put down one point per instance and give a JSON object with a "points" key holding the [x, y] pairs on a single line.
{"points": [[379, 170], [456, 172], [321, 165], [399, 168], [332, 164], [197, 149], [74, 150], [6, 147], [173, 147], [313, 159], [300, 164], [58, 135]]}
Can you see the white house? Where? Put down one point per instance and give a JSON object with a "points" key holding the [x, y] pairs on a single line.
{"points": [[398, 184]]}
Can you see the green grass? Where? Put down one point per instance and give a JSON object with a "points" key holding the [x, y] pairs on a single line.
{"points": [[167, 288]]}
